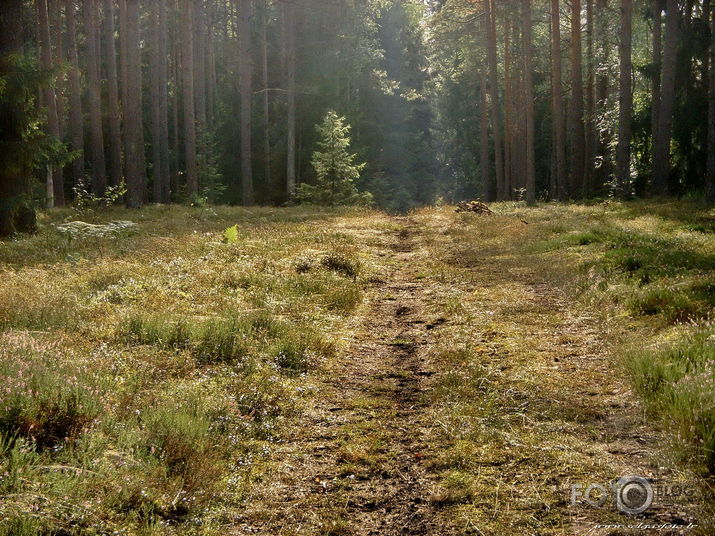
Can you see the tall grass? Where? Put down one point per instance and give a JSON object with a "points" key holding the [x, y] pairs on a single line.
{"points": [[231, 340], [677, 381]]}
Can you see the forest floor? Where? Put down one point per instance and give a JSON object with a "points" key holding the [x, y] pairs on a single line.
{"points": [[432, 374]]}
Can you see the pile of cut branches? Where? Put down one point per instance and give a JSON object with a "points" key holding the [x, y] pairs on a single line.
{"points": [[475, 206]]}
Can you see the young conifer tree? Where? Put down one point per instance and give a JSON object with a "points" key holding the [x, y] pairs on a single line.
{"points": [[335, 167]]}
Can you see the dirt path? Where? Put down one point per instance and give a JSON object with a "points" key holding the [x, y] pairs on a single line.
{"points": [[363, 461], [357, 464]]}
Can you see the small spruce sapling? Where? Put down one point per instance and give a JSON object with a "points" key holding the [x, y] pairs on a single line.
{"points": [[335, 168]]}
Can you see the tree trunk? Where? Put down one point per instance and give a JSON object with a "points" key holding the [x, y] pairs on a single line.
{"points": [[75, 95], [603, 141], [199, 39], [156, 90], [623, 152], [175, 104], [96, 137], [488, 186], [187, 82], [54, 173], [113, 116], [590, 127], [159, 89], [164, 105], [16, 213], [508, 127], [494, 96], [134, 131], [710, 178], [290, 58], [123, 52], [245, 71], [557, 102], [58, 57], [266, 102], [576, 128], [661, 149], [529, 104], [211, 64], [656, 8]]}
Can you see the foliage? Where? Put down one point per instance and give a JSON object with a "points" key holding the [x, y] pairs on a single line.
{"points": [[22, 142], [86, 202], [334, 167], [230, 234]]}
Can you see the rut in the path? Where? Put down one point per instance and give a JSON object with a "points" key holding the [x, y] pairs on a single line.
{"points": [[377, 387]]}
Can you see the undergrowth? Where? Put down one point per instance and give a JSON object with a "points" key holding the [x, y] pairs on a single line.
{"points": [[144, 379]]}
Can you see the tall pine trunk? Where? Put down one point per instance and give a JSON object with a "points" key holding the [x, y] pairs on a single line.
{"points": [[266, 101], [199, 40], [656, 9], [55, 195], [557, 102], [661, 149], [508, 127], [187, 83], [710, 178], [576, 127], [96, 136], [134, 131], [76, 125], [58, 57], [113, 116], [488, 186], [494, 96], [590, 127], [245, 70], [623, 151], [529, 103], [603, 141], [289, 22], [156, 90], [164, 104]]}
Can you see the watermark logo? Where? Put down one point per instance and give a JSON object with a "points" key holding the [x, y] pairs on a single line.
{"points": [[631, 495], [634, 494]]}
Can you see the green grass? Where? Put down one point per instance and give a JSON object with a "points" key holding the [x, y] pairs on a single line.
{"points": [[538, 320], [146, 378], [677, 380]]}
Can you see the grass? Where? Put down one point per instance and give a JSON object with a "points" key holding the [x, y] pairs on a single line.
{"points": [[677, 380], [149, 381], [146, 378], [546, 326]]}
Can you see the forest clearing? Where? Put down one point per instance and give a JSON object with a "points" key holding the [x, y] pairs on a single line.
{"points": [[349, 372], [357, 267]]}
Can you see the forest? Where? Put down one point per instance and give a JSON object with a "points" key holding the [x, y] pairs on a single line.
{"points": [[357, 267], [218, 101]]}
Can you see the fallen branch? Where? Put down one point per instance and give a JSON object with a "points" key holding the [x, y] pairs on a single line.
{"points": [[476, 206]]}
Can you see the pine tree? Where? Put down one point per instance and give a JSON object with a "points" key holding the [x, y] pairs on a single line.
{"points": [[335, 167]]}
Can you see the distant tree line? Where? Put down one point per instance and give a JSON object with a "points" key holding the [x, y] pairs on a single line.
{"points": [[575, 99], [218, 100], [187, 100]]}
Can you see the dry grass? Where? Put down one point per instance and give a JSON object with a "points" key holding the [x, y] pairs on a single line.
{"points": [[146, 377], [166, 382], [531, 395]]}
